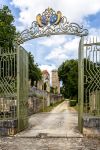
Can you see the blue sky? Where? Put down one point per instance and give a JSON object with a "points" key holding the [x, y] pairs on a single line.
{"points": [[50, 52]]}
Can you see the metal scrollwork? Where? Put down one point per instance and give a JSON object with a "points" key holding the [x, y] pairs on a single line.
{"points": [[50, 23]]}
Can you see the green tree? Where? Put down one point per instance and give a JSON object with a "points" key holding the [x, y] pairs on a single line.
{"points": [[68, 74], [7, 29], [34, 71]]}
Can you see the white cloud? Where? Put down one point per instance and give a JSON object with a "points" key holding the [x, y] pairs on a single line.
{"points": [[71, 47], [94, 36], [75, 10], [94, 32], [20, 28], [56, 53], [68, 50], [1, 6], [53, 41], [47, 67]]}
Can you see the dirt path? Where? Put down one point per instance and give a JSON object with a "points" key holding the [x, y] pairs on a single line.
{"points": [[60, 122], [44, 130]]}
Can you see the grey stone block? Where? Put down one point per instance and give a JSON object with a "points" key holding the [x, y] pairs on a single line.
{"points": [[91, 122]]}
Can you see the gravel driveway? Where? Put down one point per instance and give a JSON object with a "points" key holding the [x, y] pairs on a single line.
{"points": [[60, 122], [56, 130]]}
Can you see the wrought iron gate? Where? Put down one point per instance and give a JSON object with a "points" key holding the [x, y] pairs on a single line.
{"points": [[13, 89], [92, 77], [88, 80]]}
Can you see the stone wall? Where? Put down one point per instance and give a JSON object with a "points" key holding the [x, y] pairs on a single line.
{"points": [[8, 127], [54, 98], [35, 104], [91, 126]]}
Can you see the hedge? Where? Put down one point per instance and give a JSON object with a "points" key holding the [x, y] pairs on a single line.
{"points": [[73, 102]]}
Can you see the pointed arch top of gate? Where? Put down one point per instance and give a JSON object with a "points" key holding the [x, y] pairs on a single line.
{"points": [[50, 23]]}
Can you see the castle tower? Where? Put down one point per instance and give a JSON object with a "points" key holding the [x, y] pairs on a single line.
{"points": [[55, 81], [46, 79], [45, 82]]}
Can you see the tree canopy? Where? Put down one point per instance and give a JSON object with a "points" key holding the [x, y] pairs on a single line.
{"points": [[7, 29], [34, 71], [7, 36], [68, 74]]}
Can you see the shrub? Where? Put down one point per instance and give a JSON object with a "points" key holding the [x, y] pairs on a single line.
{"points": [[73, 102], [51, 104]]}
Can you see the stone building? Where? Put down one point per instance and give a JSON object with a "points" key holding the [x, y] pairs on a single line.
{"points": [[55, 81], [44, 84], [46, 80], [40, 85]]}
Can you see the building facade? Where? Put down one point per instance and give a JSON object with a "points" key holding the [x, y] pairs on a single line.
{"points": [[44, 84], [55, 82]]}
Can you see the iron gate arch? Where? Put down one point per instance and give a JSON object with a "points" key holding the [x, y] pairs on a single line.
{"points": [[48, 23]]}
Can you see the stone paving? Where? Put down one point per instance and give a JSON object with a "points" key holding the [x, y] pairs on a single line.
{"points": [[16, 143], [56, 130]]}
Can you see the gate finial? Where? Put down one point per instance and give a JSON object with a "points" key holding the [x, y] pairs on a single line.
{"points": [[49, 16]]}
